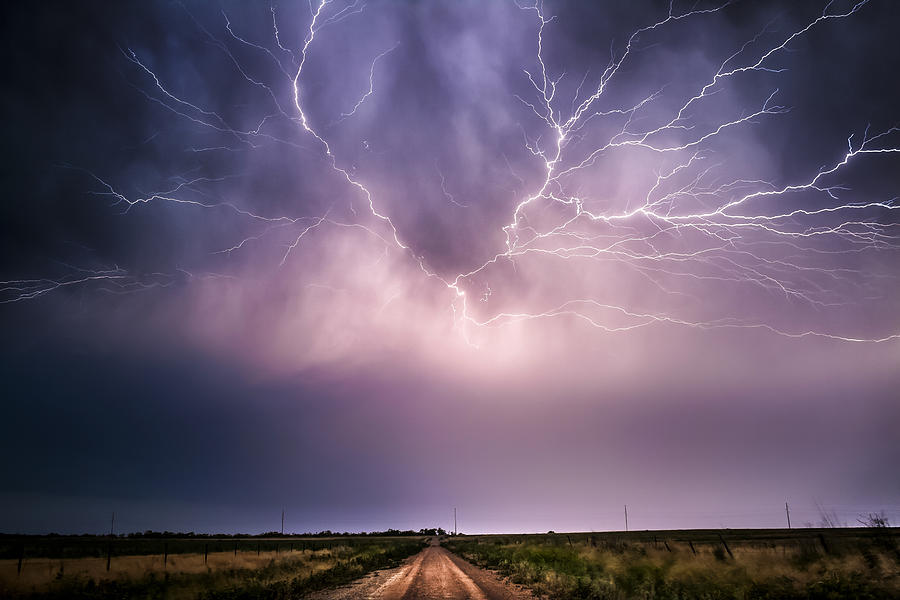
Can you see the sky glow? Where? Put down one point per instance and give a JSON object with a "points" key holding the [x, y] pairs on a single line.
{"points": [[535, 261]]}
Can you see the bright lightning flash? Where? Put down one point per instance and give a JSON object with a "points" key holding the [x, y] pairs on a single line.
{"points": [[727, 226]]}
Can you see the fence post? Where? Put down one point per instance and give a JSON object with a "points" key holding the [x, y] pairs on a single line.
{"points": [[165, 554], [205, 553], [824, 545], [21, 556], [108, 555], [724, 543]]}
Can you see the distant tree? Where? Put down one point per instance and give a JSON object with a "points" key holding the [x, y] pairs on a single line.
{"points": [[874, 520]]}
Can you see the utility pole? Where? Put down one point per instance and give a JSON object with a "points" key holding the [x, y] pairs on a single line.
{"points": [[626, 517], [454, 520], [112, 529], [787, 511], [282, 521]]}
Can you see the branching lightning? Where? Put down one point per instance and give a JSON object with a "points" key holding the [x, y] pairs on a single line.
{"points": [[692, 226]]}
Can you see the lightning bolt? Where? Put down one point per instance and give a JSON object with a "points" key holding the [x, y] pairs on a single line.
{"points": [[722, 226], [690, 228]]}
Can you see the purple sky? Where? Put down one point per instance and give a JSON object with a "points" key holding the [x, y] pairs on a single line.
{"points": [[370, 261]]}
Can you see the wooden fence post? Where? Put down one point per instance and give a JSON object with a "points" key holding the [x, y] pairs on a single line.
{"points": [[165, 554], [824, 545], [724, 543], [108, 555]]}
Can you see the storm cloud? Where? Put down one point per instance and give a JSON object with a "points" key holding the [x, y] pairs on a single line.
{"points": [[371, 261]]}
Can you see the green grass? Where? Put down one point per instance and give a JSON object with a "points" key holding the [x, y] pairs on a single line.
{"points": [[762, 565]]}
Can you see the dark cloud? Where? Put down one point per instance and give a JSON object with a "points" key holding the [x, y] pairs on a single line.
{"points": [[189, 386]]}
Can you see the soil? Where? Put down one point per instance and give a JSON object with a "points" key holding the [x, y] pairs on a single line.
{"points": [[433, 573]]}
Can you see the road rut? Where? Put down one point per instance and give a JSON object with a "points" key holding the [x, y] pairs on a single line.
{"points": [[431, 574]]}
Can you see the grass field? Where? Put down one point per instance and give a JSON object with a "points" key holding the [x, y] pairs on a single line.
{"points": [[65, 547], [808, 564], [189, 569]]}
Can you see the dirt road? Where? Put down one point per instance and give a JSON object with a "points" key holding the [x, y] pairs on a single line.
{"points": [[432, 573]]}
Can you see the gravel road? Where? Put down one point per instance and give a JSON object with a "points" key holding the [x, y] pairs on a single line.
{"points": [[432, 573]]}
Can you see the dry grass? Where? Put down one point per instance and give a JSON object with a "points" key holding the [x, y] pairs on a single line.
{"points": [[866, 566], [220, 575], [39, 574], [748, 564]]}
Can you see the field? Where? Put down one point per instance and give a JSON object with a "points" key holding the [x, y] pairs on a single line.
{"points": [[808, 564], [735, 564], [209, 568]]}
